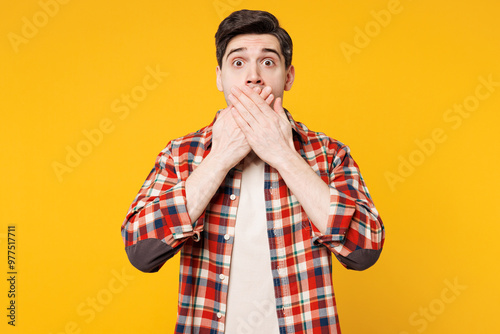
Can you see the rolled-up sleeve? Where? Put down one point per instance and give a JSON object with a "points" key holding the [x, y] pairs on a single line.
{"points": [[157, 223], [355, 232]]}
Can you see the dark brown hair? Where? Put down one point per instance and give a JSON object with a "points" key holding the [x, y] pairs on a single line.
{"points": [[252, 22]]}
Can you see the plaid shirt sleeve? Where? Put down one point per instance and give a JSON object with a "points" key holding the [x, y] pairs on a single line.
{"points": [[355, 232], [157, 223]]}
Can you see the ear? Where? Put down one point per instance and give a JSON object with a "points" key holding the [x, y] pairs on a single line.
{"points": [[218, 79], [290, 76]]}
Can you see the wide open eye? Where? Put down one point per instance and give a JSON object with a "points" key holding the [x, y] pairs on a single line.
{"points": [[237, 63], [268, 62]]}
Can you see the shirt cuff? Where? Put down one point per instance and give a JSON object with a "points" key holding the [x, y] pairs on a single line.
{"points": [[174, 209], [342, 209]]}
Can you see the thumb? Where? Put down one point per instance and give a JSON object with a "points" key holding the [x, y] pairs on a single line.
{"points": [[278, 107], [225, 110]]}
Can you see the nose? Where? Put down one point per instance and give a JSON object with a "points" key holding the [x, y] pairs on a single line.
{"points": [[253, 76]]}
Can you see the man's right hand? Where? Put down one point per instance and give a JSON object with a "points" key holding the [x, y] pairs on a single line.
{"points": [[229, 144]]}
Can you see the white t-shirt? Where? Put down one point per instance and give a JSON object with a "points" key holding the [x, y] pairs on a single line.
{"points": [[251, 304]]}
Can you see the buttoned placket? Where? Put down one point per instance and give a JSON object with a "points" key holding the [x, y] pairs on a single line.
{"points": [[281, 268], [228, 237]]}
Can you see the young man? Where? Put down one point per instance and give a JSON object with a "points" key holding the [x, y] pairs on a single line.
{"points": [[255, 202]]}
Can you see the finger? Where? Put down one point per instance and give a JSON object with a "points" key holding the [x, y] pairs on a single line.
{"points": [[240, 97], [278, 108], [263, 92], [269, 99], [248, 116], [253, 102], [261, 100], [242, 123], [266, 92]]}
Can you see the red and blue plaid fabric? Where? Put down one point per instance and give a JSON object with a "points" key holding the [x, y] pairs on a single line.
{"points": [[157, 226]]}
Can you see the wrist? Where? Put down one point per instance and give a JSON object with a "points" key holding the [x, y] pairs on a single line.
{"points": [[286, 160], [220, 161]]}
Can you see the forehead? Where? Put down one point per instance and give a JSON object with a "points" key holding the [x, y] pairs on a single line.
{"points": [[253, 42]]}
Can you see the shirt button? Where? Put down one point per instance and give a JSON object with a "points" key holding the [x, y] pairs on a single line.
{"points": [[226, 236], [221, 276], [232, 197], [219, 315]]}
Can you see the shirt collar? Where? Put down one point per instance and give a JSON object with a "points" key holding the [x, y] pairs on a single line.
{"points": [[297, 130]]}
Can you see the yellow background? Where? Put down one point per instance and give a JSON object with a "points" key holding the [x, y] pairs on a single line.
{"points": [[441, 218]]}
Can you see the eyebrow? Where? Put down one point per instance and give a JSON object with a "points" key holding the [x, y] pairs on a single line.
{"points": [[244, 49]]}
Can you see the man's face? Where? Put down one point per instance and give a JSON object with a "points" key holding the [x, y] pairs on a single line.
{"points": [[256, 61]]}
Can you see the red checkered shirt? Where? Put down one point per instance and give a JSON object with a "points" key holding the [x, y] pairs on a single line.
{"points": [[157, 226]]}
